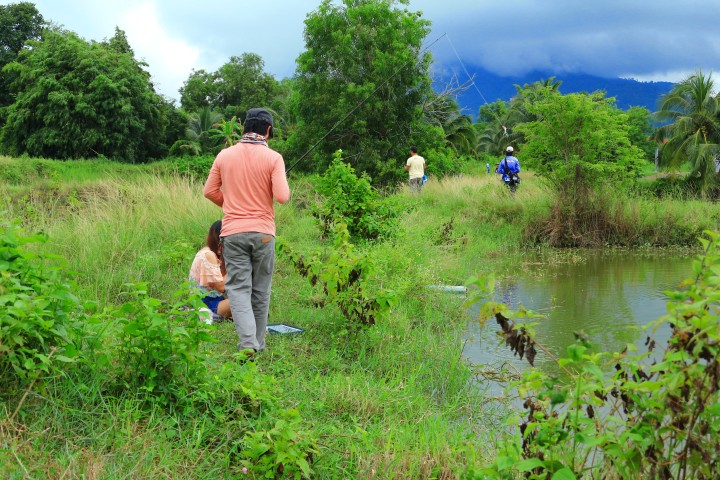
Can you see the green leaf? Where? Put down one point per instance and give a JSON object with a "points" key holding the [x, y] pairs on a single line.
{"points": [[529, 464], [564, 474]]}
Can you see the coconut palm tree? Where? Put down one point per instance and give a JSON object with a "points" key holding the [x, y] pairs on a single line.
{"points": [[691, 114], [228, 131], [199, 125], [498, 134], [460, 134]]}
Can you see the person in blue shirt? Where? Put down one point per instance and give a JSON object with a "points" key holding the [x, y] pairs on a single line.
{"points": [[509, 168]]}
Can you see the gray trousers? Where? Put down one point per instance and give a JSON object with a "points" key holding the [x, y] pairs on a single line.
{"points": [[249, 260], [415, 184]]}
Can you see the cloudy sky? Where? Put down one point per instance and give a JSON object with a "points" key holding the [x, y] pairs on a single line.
{"points": [[642, 39]]}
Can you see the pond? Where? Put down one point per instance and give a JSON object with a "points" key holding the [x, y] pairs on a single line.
{"points": [[607, 294]]}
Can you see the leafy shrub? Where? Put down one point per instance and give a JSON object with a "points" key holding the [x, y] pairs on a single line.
{"points": [[159, 346], [196, 167], [671, 186], [345, 277], [442, 162], [26, 171], [285, 450], [351, 200], [37, 308]]}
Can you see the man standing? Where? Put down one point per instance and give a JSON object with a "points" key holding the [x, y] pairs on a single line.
{"points": [[251, 176], [509, 167], [415, 165]]}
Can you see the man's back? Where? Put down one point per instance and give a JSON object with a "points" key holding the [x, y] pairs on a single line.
{"points": [[251, 175], [417, 166]]}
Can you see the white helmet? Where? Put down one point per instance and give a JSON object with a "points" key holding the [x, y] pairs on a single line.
{"points": [[509, 149]]}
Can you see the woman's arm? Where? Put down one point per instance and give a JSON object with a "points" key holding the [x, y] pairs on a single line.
{"points": [[213, 259]]}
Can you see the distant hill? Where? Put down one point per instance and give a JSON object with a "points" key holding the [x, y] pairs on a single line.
{"points": [[627, 92]]}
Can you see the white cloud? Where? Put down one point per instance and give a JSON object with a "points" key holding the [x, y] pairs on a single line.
{"points": [[171, 59], [673, 76]]}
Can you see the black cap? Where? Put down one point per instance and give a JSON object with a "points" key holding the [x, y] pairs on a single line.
{"points": [[259, 114]]}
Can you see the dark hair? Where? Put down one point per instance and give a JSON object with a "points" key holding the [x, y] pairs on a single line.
{"points": [[413, 149], [213, 237], [257, 126]]}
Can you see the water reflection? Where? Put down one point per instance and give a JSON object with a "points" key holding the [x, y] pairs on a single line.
{"points": [[606, 294]]}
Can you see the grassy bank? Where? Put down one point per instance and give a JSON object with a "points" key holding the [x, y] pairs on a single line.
{"points": [[392, 401]]}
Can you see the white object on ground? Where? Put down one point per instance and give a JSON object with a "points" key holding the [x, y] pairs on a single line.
{"points": [[449, 288], [206, 315]]}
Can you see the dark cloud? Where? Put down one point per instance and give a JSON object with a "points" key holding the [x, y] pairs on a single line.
{"points": [[660, 39], [603, 37]]}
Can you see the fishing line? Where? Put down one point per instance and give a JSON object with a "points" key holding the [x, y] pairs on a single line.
{"points": [[360, 105], [472, 79]]}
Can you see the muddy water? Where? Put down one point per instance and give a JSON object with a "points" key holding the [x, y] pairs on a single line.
{"points": [[608, 295]]}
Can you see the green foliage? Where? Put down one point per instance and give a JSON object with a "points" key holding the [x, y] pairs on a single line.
{"points": [[19, 22], [200, 133], [158, 346], [580, 143], [39, 310], [362, 73], [690, 113], [229, 131], [196, 167], [104, 105], [29, 171], [351, 200], [233, 89], [346, 277], [657, 416], [640, 131], [285, 450], [579, 139]]}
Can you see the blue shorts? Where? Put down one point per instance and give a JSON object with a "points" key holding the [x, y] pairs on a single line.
{"points": [[212, 302]]}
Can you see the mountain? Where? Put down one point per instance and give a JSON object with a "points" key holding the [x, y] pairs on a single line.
{"points": [[490, 87]]}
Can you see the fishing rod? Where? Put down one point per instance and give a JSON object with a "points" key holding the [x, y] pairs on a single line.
{"points": [[358, 106]]}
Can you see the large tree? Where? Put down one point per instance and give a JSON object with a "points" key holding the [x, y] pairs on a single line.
{"points": [[691, 113], [235, 87], [579, 137], [19, 22], [362, 80], [76, 99]]}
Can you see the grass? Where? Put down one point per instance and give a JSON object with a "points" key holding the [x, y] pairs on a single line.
{"points": [[393, 401]]}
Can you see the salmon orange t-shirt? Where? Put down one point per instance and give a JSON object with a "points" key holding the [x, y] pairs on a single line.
{"points": [[244, 180]]}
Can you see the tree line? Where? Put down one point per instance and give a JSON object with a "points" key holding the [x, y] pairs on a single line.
{"points": [[362, 85]]}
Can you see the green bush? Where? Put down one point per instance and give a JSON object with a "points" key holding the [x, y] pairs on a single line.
{"points": [[26, 171], [158, 346], [346, 278], [196, 167], [351, 200], [37, 309]]}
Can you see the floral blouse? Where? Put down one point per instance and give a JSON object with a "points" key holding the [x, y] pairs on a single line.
{"points": [[203, 272]]}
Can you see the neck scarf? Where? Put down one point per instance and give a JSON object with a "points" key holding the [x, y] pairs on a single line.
{"points": [[255, 138]]}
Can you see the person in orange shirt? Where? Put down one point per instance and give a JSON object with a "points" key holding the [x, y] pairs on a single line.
{"points": [[244, 180]]}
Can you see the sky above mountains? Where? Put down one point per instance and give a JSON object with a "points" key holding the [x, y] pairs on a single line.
{"points": [[660, 40]]}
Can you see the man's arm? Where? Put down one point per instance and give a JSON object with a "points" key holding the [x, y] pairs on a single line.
{"points": [[212, 186], [280, 187]]}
